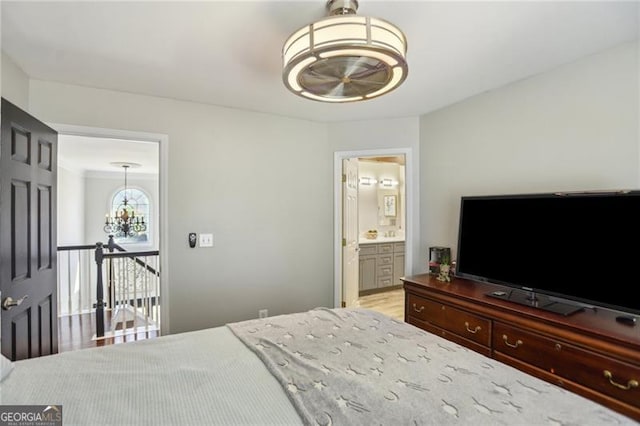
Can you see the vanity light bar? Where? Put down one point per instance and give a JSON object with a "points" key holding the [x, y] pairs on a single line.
{"points": [[367, 181]]}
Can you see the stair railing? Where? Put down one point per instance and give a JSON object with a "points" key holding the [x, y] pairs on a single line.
{"points": [[132, 285], [135, 292]]}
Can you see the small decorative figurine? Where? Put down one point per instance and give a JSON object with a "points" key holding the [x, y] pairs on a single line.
{"points": [[444, 274]]}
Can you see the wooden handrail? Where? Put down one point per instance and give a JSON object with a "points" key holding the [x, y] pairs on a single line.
{"points": [[133, 254], [111, 246], [70, 248], [100, 255]]}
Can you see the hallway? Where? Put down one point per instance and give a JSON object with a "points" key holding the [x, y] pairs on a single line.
{"points": [[77, 331]]}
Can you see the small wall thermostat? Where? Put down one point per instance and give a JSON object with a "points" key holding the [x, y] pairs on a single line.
{"points": [[193, 238]]}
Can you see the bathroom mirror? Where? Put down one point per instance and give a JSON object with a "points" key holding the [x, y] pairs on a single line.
{"points": [[389, 203], [387, 207]]}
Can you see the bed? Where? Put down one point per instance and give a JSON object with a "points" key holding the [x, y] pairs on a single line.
{"points": [[321, 367]]}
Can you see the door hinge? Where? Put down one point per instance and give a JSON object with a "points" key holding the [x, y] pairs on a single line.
{"points": [[344, 242], [344, 178], [344, 304]]}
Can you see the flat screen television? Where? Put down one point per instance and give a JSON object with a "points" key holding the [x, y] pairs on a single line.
{"points": [[555, 251]]}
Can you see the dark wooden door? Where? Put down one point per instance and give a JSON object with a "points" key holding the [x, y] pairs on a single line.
{"points": [[28, 175]]}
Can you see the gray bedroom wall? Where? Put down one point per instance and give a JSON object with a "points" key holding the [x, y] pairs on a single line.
{"points": [[15, 83], [248, 178], [261, 184], [574, 128]]}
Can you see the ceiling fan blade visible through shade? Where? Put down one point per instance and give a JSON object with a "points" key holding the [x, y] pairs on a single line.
{"points": [[345, 76], [361, 88]]}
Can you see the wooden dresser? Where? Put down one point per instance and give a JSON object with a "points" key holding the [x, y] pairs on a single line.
{"points": [[588, 352]]}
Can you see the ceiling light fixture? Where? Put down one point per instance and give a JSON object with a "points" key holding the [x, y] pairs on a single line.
{"points": [[124, 222], [344, 57]]}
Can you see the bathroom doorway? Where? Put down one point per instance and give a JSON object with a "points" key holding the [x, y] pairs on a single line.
{"points": [[385, 219]]}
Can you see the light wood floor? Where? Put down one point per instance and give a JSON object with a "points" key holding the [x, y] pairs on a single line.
{"points": [[390, 303]]}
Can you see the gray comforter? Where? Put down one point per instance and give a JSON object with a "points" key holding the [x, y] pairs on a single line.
{"points": [[359, 367]]}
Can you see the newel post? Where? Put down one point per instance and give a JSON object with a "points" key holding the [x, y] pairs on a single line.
{"points": [[111, 246], [99, 292]]}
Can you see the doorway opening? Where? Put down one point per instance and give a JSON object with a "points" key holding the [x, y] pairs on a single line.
{"points": [[378, 234], [90, 163]]}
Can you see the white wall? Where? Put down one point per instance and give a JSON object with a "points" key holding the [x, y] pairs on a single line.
{"points": [[71, 202], [244, 177], [15, 83], [70, 231], [574, 128]]}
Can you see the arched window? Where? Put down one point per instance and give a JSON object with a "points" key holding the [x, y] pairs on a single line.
{"points": [[129, 220]]}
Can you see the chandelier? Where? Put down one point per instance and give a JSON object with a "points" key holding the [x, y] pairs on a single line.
{"points": [[124, 222], [344, 57]]}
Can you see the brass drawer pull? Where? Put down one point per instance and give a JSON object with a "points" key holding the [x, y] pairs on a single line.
{"points": [[475, 330], [506, 342], [630, 384], [415, 308]]}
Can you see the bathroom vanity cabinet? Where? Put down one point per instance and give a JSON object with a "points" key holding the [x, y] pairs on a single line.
{"points": [[381, 265]]}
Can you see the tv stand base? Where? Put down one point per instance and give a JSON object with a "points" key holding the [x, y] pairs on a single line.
{"points": [[535, 300]]}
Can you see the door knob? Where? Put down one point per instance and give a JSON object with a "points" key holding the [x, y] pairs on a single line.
{"points": [[9, 302]]}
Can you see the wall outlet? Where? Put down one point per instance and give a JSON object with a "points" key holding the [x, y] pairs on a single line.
{"points": [[206, 240], [263, 313]]}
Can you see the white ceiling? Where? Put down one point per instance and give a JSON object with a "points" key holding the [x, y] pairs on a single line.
{"points": [[81, 154], [228, 53]]}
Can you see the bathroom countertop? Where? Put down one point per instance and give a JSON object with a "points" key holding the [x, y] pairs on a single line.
{"points": [[381, 239]]}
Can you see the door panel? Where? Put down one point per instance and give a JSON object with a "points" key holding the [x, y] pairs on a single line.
{"points": [[20, 230], [20, 334], [350, 262], [28, 155], [45, 343], [45, 246], [20, 145]]}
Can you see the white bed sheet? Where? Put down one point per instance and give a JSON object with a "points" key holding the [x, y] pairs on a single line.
{"points": [[205, 377]]}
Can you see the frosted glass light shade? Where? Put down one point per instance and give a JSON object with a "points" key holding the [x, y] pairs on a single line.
{"points": [[345, 58]]}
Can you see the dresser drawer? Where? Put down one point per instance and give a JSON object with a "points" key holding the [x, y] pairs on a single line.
{"points": [[603, 374], [425, 309], [386, 259], [468, 325], [456, 321]]}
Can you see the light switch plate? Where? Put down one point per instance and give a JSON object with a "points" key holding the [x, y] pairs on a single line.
{"points": [[206, 240]]}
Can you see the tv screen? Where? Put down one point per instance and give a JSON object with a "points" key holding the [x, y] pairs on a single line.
{"points": [[583, 247]]}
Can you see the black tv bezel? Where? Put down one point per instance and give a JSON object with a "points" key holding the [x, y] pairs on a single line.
{"points": [[562, 301]]}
